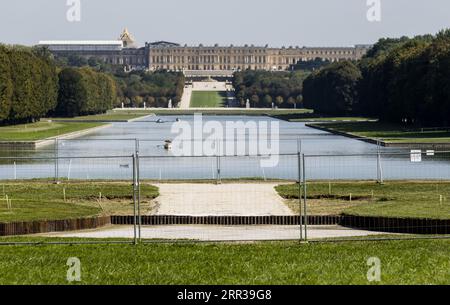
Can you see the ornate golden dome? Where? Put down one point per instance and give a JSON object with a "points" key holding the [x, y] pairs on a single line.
{"points": [[127, 38]]}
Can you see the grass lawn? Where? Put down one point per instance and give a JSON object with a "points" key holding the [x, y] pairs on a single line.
{"points": [[41, 130], [208, 99], [248, 112], [330, 119], [395, 199], [389, 132], [402, 262], [45, 201]]}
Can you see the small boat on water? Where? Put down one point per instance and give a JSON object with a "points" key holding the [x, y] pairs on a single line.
{"points": [[159, 121], [168, 145]]}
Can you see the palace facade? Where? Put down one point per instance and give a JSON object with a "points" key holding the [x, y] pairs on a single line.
{"points": [[164, 55]]}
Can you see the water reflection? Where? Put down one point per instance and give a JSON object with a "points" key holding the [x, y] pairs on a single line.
{"points": [[119, 142]]}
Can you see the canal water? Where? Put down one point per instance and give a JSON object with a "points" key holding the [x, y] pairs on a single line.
{"points": [[106, 154]]}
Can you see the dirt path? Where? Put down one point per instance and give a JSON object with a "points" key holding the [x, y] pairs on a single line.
{"points": [[219, 233], [234, 199]]}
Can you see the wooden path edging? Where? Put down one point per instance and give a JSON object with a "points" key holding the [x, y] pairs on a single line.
{"points": [[370, 223], [47, 226]]}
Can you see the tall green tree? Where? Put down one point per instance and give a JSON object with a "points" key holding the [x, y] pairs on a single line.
{"points": [[334, 89], [6, 85]]}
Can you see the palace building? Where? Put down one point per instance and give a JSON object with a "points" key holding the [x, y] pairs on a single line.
{"points": [[164, 55]]}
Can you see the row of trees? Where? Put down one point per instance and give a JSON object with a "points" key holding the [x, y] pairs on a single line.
{"points": [[154, 89], [399, 80], [33, 84], [311, 65], [333, 89], [136, 87], [83, 91], [263, 88], [28, 84]]}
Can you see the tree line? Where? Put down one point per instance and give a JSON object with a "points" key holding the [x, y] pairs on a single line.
{"points": [[403, 80], [83, 91], [34, 84], [28, 84], [264, 89], [135, 88], [155, 89]]}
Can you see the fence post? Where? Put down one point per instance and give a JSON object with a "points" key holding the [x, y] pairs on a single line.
{"points": [[300, 194], [138, 187], [138, 182], [305, 211], [299, 151], [56, 153], [134, 199], [379, 168], [218, 162]]}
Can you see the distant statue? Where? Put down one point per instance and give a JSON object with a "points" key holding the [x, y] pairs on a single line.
{"points": [[122, 106], [247, 104], [170, 106], [273, 105], [145, 105]]}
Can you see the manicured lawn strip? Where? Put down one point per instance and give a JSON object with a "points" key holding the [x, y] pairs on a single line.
{"points": [[389, 132], [393, 199], [225, 111], [205, 99], [41, 130], [403, 262], [330, 119], [45, 201]]}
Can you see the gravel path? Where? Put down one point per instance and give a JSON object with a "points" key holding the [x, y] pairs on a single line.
{"points": [[219, 233], [234, 199]]}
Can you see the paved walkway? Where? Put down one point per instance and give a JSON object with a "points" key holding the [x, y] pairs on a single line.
{"points": [[186, 98], [204, 86], [230, 199], [219, 233]]}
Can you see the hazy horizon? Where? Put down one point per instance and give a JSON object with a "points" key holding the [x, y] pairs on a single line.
{"points": [[260, 22]]}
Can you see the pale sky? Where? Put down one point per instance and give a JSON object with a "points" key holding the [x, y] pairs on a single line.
{"points": [[238, 22]]}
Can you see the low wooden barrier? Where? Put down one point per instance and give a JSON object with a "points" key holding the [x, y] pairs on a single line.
{"points": [[46, 226], [381, 224], [154, 220], [397, 225]]}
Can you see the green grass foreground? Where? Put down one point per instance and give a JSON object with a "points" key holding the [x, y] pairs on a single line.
{"points": [[41, 130], [402, 262], [208, 99], [393, 199], [45, 201], [390, 133]]}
